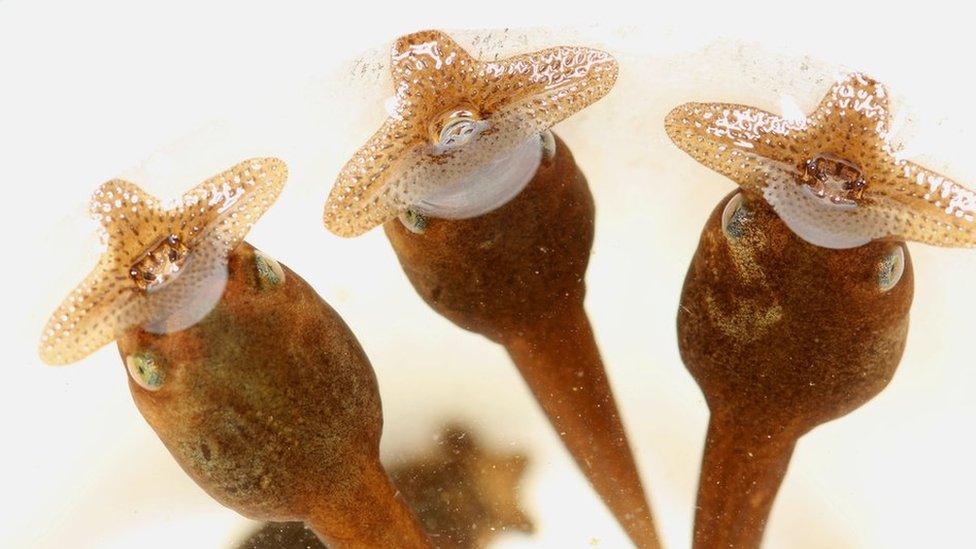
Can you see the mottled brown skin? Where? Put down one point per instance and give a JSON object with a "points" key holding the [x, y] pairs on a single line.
{"points": [[516, 276], [464, 495], [271, 406], [781, 336]]}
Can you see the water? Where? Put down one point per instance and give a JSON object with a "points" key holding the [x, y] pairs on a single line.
{"points": [[90, 473]]}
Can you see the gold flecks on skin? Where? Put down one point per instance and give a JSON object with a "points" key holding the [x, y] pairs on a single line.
{"points": [[833, 176], [752, 316], [453, 113], [157, 257], [747, 321]]}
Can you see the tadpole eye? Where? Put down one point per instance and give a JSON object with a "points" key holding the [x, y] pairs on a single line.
{"points": [[734, 217], [891, 269], [414, 221], [145, 370], [270, 273]]}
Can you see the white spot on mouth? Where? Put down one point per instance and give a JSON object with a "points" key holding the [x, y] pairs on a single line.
{"points": [[790, 109], [392, 106]]}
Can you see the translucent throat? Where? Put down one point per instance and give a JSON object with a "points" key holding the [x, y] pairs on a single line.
{"points": [[489, 186]]}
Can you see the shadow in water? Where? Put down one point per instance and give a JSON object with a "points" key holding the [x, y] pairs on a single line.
{"points": [[463, 493]]}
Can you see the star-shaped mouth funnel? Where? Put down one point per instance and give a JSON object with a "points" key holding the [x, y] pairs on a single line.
{"points": [[833, 176], [163, 268], [452, 116]]}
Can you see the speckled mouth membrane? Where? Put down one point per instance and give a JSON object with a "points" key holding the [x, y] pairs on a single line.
{"points": [[832, 176], [160, 260], [452, 115]]}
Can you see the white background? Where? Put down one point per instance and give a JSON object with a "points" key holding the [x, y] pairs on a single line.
{"points": [[170, 93]]}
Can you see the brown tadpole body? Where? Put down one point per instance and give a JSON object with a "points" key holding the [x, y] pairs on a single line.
{"points": [[270, 404], [781, 336], [516, 276], [795, 309], [254, 384], [499, 236]]}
